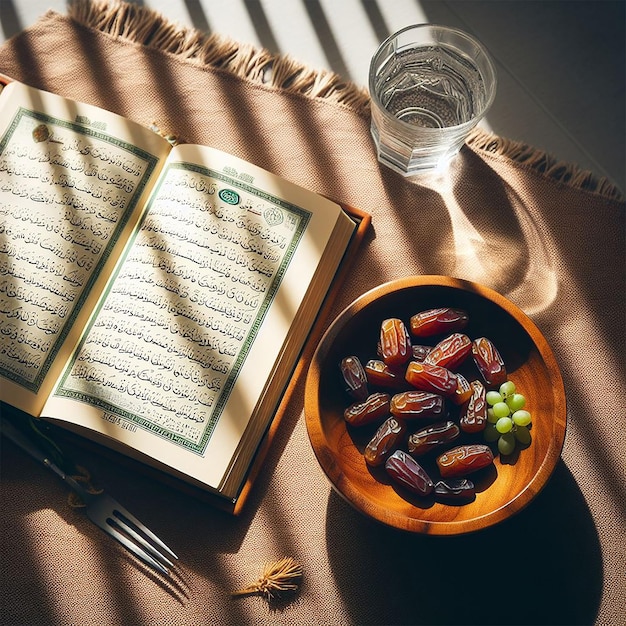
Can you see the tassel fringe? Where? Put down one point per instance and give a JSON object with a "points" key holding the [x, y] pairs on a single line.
{"points": [[545, 164], [147, 27]]}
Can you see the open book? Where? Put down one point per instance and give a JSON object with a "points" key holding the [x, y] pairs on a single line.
{"points": [[153, 298]]}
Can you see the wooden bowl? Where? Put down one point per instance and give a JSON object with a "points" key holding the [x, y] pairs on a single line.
{"points": [[503, 489]]}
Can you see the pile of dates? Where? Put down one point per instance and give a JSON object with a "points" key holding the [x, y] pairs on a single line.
{"points": [[419, 405]]}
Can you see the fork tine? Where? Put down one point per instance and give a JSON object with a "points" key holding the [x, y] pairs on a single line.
{"points": [[129, 517], [116, 521], [127, 527], [141, 554]]}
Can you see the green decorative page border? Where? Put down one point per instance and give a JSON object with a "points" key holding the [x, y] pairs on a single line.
{"points": [[151, 161], [139, 421]]}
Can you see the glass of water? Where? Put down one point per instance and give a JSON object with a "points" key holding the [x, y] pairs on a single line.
{"points": [[429, 86]]}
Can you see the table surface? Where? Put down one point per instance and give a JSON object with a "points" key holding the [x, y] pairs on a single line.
{"points": [[56, 569], [561, 64]]}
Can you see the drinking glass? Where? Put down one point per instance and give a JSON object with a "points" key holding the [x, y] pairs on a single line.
{"points": [[430, 86]]}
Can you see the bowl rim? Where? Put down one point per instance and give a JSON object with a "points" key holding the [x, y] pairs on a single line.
{"points": [[355, 497]]}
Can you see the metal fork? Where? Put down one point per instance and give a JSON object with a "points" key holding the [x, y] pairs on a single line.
{"points": [[103, 510]]}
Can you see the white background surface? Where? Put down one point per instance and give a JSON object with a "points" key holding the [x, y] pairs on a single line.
{"points": [[561, 64]]}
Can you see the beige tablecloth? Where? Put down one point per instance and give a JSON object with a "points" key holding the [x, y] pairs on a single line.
{"points": [[542, 233]]}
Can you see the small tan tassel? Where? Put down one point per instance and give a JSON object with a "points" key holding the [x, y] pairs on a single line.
{"points": [[173, 140], [277, 578], [84, 477]]}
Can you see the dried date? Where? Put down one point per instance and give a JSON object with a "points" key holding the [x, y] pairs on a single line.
{"points": [[451, 351], [388, 437], [417, 404], [420, 351], [395, 342], [438, 321], [431, 437], [474, 414], [433, 378], [376, 406], [407, 472], [464, 460], [354, 377], [463, 390], [379, 374], [455, 490], [489, 362]]}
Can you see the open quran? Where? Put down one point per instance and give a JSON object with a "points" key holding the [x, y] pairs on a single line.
{"points": [[155, 298]]}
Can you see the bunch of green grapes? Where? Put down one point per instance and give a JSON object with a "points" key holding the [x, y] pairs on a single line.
{"points": [[508, 420]]}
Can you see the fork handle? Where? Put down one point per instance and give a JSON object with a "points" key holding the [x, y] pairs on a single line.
{"points": [[28, 445]]}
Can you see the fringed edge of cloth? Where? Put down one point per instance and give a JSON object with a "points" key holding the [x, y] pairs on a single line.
{"points": [[145, 26], [545, 164], [148, 27]]}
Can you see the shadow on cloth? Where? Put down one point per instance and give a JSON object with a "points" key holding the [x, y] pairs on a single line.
{"points": [[175, 517], [542, 566], [36, 493]]}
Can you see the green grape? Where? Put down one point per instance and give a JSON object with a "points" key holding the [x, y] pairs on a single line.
{"points": [[490, 434], [501, 409], [491, 416], [521, 418], [522, 434], [506, 443], [504, 425], [493, 397], [516, 402], [507, 389]]}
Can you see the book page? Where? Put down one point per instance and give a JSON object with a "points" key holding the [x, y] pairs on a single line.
{"points": [[72, 182], [180, 351]]}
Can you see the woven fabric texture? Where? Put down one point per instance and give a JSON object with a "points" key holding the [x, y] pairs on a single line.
{"points": [[547, 236]]}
